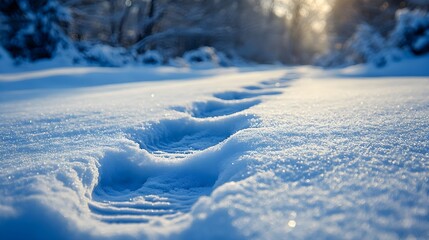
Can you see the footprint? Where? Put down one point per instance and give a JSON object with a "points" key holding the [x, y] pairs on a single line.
{"points": [[253, 88], [133, 188], [148, 192], [267, 86], [137, 186], [234, 95], [281, 82], [178, 138], [216, 108]]}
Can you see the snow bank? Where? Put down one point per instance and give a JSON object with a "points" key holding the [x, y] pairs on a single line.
{"points": [[151, 58], [104, 55], [32, 77], [414, 66], [206, 57]]}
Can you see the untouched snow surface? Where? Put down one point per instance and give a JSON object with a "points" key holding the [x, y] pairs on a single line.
{"points": [[274, 154]]}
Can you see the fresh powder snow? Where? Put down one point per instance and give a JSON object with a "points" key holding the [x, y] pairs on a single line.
{"points": [[262, 153]]}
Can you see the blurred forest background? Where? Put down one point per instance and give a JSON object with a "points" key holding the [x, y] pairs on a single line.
{"points": [[115, 32]]}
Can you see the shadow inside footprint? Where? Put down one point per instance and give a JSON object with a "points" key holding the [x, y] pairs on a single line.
{"points": [[216, 108], [130, 191], [267, 86], [120, 173], [233, 95], [178, 138], [253, 88]]}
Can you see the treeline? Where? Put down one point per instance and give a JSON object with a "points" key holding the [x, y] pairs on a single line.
{"points": [[376, 31], [262, 31], [248, 28]]}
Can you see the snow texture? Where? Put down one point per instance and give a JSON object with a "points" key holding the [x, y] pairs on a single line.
{"points": [[287, 153]]}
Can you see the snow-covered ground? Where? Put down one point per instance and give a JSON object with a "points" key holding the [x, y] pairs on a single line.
{"points": [[274, 153]]}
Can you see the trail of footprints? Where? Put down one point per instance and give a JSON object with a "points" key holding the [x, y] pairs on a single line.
{"points": [[126, 194]]}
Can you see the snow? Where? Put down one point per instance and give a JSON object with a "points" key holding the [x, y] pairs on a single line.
{"points": [[409, 39], [105, 55], [268, 153], [410, 66], [152, 57], [206, 57], [72, 77]]}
